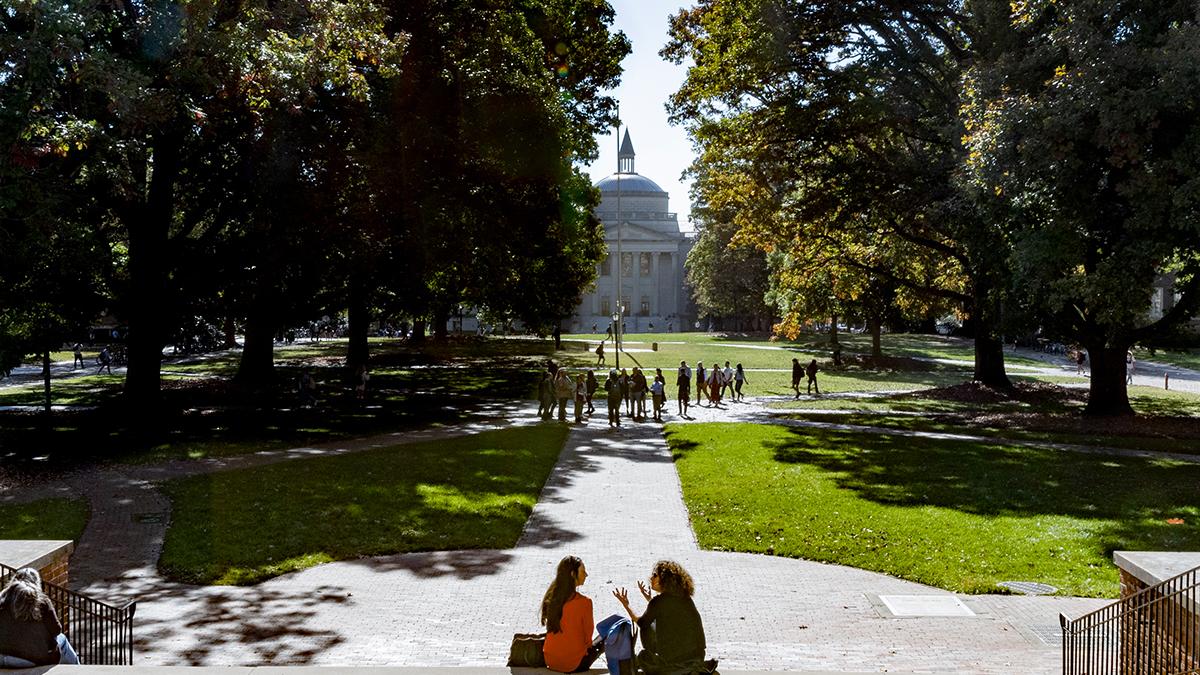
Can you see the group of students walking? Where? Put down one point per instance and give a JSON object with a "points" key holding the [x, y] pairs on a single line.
{"points": [[631, 389]]}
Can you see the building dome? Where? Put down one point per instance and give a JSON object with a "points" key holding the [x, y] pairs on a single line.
{"points": [[630, 182]]}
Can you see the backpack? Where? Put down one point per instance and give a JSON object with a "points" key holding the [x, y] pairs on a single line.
{"points": [[620, 638]]}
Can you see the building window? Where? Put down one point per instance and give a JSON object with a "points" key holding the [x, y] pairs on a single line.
{"points": [[605, 306], [645, 311], [644, 263], [626, 264], [606, 267]]}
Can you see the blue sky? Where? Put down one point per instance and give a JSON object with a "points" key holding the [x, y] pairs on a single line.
{"points": [[663, 151]]}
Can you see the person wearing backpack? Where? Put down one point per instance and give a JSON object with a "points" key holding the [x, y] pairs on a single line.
{"points": [[612, 386], [671, 631], [567, 615]]}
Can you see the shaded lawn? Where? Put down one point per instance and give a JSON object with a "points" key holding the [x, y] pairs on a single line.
{"points": [[53, 519], [248, 525], [961, 516]]}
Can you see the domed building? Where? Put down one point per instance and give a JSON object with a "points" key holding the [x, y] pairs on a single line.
{"points": [[653, 251]]}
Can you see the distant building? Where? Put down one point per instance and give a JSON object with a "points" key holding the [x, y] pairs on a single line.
{"points": [[653, 251]]}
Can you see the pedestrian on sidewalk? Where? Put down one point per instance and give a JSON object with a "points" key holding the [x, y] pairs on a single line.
{"points": [[545, 395], [30, 633], [600, 354], [105, 361], [1130, 364], [658, 390], [726, 382], [566, 613], [672, 632], [580, 397], [612, 386], [811, 372], [626, 383], [797, 374], [739, 379], [564, 390], [715, 376], [701, 384], [78, 362], [683, 382], [592, 386], [1080, 361], [360, 385], [639, 394]]}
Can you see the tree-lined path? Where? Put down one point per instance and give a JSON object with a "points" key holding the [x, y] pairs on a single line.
{"points": [[614, 499]]}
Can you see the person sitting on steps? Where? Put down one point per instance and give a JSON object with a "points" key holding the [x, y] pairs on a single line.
{"points": [[567, 615], [672, 633], [30, 634]]}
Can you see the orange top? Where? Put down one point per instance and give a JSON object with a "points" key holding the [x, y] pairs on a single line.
{"points": [[565, 649]]}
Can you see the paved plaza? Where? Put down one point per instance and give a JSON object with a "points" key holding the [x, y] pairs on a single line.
{"points": [[613, 499]]}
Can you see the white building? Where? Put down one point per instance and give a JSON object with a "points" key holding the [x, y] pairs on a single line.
{"points": [[653, 251]]}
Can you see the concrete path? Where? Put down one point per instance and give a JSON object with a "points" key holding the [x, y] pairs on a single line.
{"points": [[613, 499]]}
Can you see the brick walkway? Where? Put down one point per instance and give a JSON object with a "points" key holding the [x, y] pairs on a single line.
{"points": [[613, 499]]}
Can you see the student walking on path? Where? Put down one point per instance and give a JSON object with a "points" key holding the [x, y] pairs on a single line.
{"points": [[564, 390], [811, 372], [612, 386], [701, 383], [592, 386], [600, 354], [726, 382], [739, 379], [658, 390], [684, 382], [78, 362], [797, 374]]}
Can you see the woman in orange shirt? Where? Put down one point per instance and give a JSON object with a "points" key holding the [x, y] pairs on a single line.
{"points": [[567, 616]]}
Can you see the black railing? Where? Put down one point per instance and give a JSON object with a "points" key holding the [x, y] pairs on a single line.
{"points": [[1155, 631], [101, 634]]}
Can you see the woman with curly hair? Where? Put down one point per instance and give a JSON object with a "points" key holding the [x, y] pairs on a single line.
{"points": [[671, 629], [567, 616], [30, 634]]}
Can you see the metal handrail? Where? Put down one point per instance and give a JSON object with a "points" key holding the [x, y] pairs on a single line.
{"points": [[1155, 631], [100, 633]]}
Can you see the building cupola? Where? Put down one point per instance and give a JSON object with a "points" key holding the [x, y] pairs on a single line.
{"points": [[625, 155]]}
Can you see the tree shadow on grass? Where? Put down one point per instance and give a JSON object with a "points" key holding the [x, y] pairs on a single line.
{"points": [[1134, 496]]}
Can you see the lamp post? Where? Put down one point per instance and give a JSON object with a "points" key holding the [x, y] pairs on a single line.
{"points": [[619, 317]]}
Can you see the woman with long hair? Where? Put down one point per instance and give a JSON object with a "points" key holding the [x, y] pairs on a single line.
{"points": [[30, 634], [671, 629], [567, 616]]}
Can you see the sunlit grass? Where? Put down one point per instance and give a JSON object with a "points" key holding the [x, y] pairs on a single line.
{"points": [[962, 516], [244, 526], [50, 519]]}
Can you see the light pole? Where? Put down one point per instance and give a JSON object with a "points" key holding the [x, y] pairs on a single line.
{"points": [[619, 318]]}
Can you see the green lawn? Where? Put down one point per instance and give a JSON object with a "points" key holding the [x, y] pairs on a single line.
{"points": [[244, 526], [56, 519], [957, 515]]}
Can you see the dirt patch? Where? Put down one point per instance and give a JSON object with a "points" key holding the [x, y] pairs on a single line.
{"points": [[1050, 408]]}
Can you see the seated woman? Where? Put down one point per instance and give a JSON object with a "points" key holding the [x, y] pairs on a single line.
{"points": [[30, 634], [567, 616], [672, 633]]}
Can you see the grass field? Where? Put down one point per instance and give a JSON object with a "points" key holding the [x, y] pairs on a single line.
{"points": [[54, 519], [244, 526], [961, 516]]}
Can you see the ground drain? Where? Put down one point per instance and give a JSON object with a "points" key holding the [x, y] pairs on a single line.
{"points": [[1028, 587]]}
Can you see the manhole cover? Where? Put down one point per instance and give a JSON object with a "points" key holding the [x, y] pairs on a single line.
{"points": [[1028, 587], [149, 518]]}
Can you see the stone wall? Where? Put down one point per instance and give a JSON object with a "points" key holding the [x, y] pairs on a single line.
{"points": [[1160, 632]]}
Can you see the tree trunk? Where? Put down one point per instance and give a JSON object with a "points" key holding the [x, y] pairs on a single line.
{"points": [[989, 346], [230, 330], [148, 227], [418, 331], [46, 377], [359, 318], [876, 328], [257, 368], [441, 316], [1108, 395], [833, 331]]}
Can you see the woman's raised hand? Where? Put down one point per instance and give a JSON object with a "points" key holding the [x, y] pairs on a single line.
{"points": [[645, 591], [622, 597]]}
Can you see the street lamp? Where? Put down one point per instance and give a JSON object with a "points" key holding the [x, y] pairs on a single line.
{"points": [[616, 317]]}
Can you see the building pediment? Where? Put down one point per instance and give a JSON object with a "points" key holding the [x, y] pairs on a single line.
{"points": [[631, 232]]}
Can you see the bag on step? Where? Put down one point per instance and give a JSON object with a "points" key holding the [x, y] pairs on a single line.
{"points": [[526, 650]]}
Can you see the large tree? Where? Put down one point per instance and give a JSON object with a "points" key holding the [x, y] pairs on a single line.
{"points": [[1083, 125], [837, 126]]}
